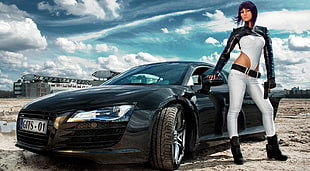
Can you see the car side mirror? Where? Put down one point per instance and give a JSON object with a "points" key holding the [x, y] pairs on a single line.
{"points": [[212, 82], [207, 83]]}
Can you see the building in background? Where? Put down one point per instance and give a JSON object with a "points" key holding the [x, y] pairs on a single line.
{"points": [[31, 85], [295, 92]]}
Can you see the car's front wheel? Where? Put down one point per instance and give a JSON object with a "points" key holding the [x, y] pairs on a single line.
{"points": [[168, 138]]}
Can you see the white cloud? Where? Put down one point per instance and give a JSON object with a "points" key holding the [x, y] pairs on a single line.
{"points": [[285, 56], [213, 41], [17, 32], [131, 24], [285, 20], [106, 48], [71, 46], [219, 22], [5, 81], [299, 43], [184, 30], [3, 75], [122, 63], [293, 75], [49, 65], [212, 59], [11, 12], [65, 66], [12, 61], [70, 66], [103, 9], [4, 27], [164, 30], [291, 67], [6, 84], [111, 7]]}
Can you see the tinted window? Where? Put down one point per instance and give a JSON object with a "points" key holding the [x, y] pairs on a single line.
{"points": [[166, 74], [223, 73]]}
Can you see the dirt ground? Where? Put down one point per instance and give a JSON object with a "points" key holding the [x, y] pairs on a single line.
{"points": [[292, 126]]}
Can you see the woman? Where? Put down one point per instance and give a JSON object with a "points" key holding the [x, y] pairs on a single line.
{"points": [[244, 76]]}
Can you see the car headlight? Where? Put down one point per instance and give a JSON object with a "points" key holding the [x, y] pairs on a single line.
{"points": [[102, 114]]}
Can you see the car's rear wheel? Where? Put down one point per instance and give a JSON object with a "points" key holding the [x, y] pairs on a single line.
{"points": [[168, 138]]}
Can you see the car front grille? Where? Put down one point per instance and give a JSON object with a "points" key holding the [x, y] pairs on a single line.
{"points": [[79, 135], [91, 135], [32, 138]]}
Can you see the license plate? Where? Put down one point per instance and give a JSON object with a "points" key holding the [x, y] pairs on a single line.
{"points": [[33, 125]]}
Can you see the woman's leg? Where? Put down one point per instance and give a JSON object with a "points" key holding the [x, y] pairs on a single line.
{"points": [[237, 86], [256, 91]]}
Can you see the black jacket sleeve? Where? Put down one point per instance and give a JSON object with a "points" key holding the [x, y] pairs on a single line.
{"points": [[268, 54], [231, 43]]}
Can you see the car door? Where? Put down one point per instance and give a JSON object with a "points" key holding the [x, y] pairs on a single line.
{"points": [[212, 107], [249, 118]]}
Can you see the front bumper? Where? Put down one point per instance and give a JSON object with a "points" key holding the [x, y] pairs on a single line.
{"points": [[117, 156], [104, 142]]}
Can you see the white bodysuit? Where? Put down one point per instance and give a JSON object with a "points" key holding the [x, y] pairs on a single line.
{"points": [[252, 46], [239, 82]]}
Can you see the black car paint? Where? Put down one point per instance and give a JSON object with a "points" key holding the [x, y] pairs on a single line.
{"points": [[205, 112], [106, 95]]}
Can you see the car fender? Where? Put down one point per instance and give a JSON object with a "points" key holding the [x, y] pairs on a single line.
{"points": [[186, 100]]}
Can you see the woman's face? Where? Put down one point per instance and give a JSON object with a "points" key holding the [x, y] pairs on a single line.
{"points": [[246, 15]]}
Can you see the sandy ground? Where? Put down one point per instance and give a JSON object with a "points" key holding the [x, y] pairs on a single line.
{"points": [[293, 129]]}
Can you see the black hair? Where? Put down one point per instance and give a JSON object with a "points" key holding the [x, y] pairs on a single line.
{"points": [[247, 5]]}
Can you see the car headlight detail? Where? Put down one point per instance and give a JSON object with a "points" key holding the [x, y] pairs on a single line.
{"points": [[59, 120], [102, 114]]}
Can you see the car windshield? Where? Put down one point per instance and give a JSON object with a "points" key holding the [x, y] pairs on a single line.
{"points": [[163, 74]]}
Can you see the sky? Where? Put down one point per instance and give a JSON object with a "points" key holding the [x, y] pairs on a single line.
{"points": [[75, 38]]}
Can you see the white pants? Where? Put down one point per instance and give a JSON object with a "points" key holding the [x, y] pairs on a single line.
{"points": [[238, 83]]}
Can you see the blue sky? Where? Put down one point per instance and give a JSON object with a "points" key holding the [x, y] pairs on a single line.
{"points": [[74, 38]]}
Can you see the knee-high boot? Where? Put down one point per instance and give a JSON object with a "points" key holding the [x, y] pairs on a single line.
{"points": [[236, 151], [273, 150]]}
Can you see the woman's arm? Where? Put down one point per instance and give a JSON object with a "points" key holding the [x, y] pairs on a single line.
{"points": [[231, 43], [269, 62]]}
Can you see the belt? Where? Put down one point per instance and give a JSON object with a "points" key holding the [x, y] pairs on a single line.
{"points": [[247, 71]]}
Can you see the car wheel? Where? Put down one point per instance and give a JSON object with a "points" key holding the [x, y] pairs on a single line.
{"points": [[168, 138]]}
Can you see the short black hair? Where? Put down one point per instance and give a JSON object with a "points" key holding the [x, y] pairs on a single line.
{"points": [[247, 5]]}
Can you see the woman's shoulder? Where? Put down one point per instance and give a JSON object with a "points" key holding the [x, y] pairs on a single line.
{"points": [[261, 28], [256, 27], [237, 28]]}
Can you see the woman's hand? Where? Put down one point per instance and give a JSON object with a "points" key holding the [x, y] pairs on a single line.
{"points": [[272, 83], [213, 75]]}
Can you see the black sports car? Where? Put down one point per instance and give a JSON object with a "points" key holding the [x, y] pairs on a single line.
{"points": [[155, 113]]}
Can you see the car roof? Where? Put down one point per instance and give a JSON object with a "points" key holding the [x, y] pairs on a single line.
{"points": [[192, 63]]}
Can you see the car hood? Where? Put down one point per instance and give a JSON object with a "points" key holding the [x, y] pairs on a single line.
{"points": [[143, 96]]}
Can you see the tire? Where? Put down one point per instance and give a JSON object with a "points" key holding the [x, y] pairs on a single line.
{"points": [[168, 138]]}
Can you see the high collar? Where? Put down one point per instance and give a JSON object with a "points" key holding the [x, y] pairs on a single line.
{"points": [[247, 26]]}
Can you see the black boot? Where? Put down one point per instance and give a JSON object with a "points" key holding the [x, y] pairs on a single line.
{"points": [[236, 151], [273, 150]]}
